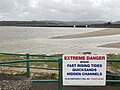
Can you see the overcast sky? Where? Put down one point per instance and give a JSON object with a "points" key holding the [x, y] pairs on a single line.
{"points": [[70, 10]]}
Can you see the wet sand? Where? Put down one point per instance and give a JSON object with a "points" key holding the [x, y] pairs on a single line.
{"points": [[105, 32], [111, 45]]}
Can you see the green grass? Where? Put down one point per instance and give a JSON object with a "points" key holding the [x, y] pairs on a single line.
{"points": [[40, 64], [45, 64], [113, 56], [114, 65], [4, 57], [57, 55]]}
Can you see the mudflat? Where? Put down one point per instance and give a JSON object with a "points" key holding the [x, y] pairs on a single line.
{"points": [[111, 45], [105, 32]]}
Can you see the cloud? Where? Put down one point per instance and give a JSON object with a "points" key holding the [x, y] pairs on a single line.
{"points": [[79, 10]]}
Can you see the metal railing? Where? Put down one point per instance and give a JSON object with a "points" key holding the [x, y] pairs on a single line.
{"points": [[28, 67], [57, 60], [113, 75]]}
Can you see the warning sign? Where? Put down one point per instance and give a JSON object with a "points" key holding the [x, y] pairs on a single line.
{"points": [[84, 70]]}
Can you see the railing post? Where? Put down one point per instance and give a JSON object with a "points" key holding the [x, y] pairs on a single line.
{"points": [[60, 74], [28, 65]]}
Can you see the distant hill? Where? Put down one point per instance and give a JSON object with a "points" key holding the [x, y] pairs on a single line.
{"points": [[117, 22], [51, 23], [83, 22], [31, 23]]}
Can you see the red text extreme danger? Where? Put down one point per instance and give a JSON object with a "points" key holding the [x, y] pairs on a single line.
{"points": [[84, 57]]}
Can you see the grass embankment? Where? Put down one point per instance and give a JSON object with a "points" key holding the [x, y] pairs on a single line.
{"points": [[22, 72], [4, 69], [114, 65], [4, 58]]}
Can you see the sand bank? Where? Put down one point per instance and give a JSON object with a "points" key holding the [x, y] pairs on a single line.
{"points": [[111, 45], [105, 32]]}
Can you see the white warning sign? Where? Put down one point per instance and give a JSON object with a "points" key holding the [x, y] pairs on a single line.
{"points": [[84, 70]]}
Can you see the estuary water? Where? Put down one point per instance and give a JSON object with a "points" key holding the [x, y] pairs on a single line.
{"points": [[36, 40]]}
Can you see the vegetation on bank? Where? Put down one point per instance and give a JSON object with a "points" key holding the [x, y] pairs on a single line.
{"points": [[4, 58], [114, 65], [4, 69]]}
